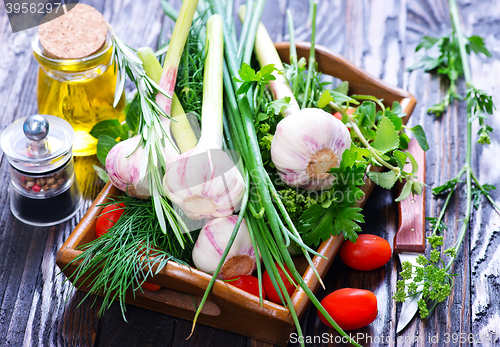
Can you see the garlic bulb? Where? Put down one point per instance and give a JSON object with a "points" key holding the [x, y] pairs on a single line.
{"points": [[204, 182], [306, 145], [212, 241], [123, 164]]}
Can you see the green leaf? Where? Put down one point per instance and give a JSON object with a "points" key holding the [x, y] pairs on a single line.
{"points": [[317, 223], [398, 122], [400, 158], [406, 191], [366, 115], [414, 164], [387, 137], [342, 88], [346, 221], [403, 140], [104, 145], [325, 98], [420, 136], [341, 99], [278, 106], [133, 115], [384, 179], [103, 175], [349, 157], [427, 63], [477, 45], [109, 127], [426, 42], [397, 109]]}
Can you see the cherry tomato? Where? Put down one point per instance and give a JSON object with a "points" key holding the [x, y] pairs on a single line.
{"points": [[350, 308], [108, 217], [269, 288], [150, 286], [368, 253], [249, 284], [338, 115]]}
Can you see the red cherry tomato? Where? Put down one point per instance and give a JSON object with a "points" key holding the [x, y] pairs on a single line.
{"points": [[338, 115], [108, 217], [150, 286], [249, 284], [368, 253], [269, 288], [350, 308]]}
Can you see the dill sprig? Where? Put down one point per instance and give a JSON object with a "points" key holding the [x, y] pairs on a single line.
{"points": [[134, 249], [189, 87]]}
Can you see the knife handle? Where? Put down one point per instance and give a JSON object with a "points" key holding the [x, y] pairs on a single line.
{"points": [[411, 232]]}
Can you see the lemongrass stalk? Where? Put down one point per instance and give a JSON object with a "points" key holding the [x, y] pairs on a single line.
{"points": [[267, 54], [293, 52], [180, 127], [174, 53], [211, 109], [312, 56]]}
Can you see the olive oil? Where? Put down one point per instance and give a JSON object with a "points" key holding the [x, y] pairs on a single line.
{"points": [[81, 91]]}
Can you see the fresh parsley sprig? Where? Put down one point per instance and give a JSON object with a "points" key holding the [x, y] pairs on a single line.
{"points": [[431, 277], [448, 64]]}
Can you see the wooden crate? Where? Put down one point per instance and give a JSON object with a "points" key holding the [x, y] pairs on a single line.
{"points": [[228, 307]]}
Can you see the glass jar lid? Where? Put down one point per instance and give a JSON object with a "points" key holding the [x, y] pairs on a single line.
{"points": [[38, 143]]}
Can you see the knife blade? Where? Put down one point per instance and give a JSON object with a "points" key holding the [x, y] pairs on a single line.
{"points": [[409, 241]]}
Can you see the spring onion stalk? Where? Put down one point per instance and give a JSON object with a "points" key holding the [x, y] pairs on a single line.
{"points": [[245, 28], [242, 115], [267, 54], [180, 127], [312, 56]]}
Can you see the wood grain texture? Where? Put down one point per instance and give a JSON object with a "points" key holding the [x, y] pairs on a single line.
{"points": [[378, 35], [410, 236]]}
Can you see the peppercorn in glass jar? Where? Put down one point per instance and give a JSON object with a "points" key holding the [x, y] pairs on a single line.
{"points": [[43, 188]]}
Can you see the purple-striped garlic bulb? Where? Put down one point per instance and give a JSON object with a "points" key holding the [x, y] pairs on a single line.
{"points": [[204, 182], [212, 242], [306, 145]]}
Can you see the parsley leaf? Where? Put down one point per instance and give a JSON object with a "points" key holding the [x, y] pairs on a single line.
{"points": [[248, 76]]}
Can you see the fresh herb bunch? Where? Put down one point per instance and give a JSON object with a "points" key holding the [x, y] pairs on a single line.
{"points": [[189, 86], [448, 64], [431, 278], [132, 250]]}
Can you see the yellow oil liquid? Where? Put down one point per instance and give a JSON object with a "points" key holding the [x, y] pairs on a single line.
{"points": [[81, 92]]}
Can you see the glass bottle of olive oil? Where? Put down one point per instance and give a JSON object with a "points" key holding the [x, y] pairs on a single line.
{"points": [[80, 91]]}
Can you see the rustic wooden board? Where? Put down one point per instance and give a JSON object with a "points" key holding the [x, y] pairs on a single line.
{"points": [[378, 35]]}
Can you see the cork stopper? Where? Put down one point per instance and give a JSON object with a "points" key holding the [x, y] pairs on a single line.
{"points": [[78, 33]]}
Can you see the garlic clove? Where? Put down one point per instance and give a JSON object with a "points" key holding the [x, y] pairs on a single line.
{"points": [[204, 184], [306, 145], [213, 240]]}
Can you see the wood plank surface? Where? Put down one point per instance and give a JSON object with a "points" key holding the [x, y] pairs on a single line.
{"points": [[38, 308]]}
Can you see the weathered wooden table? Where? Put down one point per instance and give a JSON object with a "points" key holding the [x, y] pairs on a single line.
{"points": [[37, 307]]}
